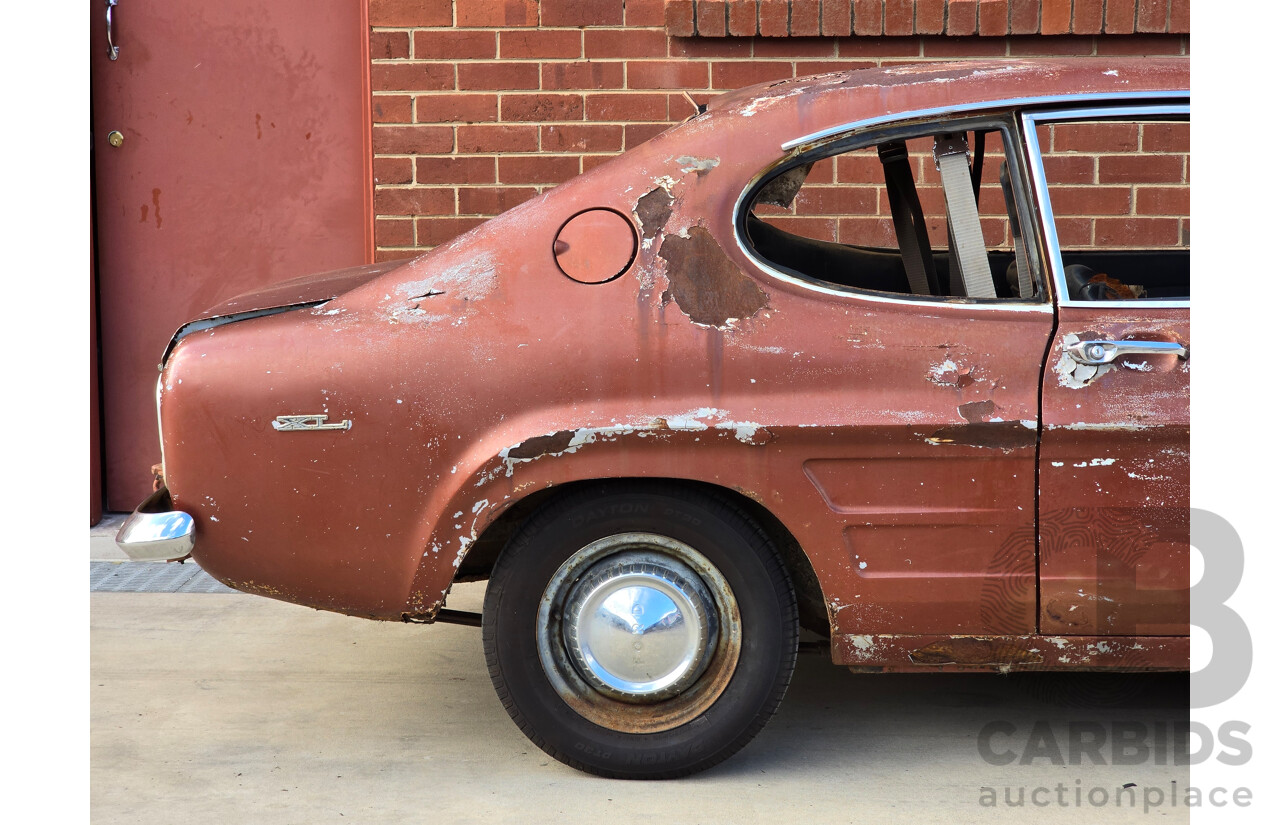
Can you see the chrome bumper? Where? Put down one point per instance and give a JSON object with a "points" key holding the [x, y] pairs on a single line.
{"points": [[156, 533]]}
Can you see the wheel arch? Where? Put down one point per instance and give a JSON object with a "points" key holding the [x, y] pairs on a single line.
{"points": [[479, 561]]}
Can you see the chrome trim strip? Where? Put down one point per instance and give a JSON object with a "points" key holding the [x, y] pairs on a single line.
{"points": [[152, 533], [1041, 190], [1007, 103]]}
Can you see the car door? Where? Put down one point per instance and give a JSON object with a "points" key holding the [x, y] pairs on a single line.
{"points": [[1113, 188]]}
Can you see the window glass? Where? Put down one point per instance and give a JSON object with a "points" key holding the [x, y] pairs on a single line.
{"points": [[1120, 192], [833, 221]]}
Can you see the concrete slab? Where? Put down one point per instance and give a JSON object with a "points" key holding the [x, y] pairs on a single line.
{"points": [[234, 708]]}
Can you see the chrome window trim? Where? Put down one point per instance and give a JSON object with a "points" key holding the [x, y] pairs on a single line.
{"points": [[905, 299], [964, 108], [1045, 208]]}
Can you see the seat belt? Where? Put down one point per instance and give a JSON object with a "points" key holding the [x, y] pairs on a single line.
{"points": [[1025, 288], [951, 153], [908, 219]]}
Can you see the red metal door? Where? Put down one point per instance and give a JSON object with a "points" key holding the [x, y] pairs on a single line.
{"points": [[242, 158], [1114, 457]]}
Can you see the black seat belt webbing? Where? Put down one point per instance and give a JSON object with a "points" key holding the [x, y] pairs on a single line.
{"points": [[908, 219]]}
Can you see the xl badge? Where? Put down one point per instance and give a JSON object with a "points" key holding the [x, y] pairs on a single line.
{"points": [[290, 423]]}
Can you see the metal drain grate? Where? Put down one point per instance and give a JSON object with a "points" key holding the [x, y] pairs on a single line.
{"points": [[152, 577]]}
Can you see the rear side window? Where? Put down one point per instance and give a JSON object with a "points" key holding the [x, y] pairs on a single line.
{"points": [[878, 217], [1120, 195]]}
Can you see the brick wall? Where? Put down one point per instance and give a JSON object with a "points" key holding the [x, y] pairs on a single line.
{"points": [[480, 104]]}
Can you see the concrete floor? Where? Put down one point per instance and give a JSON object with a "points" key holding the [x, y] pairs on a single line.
{"points": [[234, 708]]}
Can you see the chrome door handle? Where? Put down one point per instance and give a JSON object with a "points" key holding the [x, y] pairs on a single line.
{"points": [[1097, 353], [113, 51]]}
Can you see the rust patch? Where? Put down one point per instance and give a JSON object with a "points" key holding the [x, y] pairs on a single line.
{"points": [[968, 650], [977, 412], [705, 284], [999, 435], [542, 445], [653, 210]]}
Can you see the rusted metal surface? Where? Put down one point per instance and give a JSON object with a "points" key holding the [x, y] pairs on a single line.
{"points": [[906, 654], [896, 442]]}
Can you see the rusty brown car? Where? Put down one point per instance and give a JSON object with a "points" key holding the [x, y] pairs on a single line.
{"points": [[897, 355]]}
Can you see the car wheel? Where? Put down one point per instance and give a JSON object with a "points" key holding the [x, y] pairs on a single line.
{"points": [[640, 630]]}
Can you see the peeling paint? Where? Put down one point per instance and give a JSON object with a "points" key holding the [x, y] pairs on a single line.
{"points": [[1000, 435], [701, 166], [653, 210], [705, 284]]}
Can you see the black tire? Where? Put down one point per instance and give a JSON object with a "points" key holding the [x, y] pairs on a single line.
{"points": [[748, 660]]}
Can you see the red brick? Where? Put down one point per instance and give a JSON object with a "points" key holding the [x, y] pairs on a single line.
{"points": [[1087, 17], [492, 200], [680, 108], [678, 18], [392, 109], [859, 167], [1041, 46], [868, 17], [392, 232], [1166, 137], [388, 45], [837, 18], [498, 76], [1153, 16], [581, 13], [541, 107], [436, 231], [1137, 233], [1074, 201], [1059, 169], [1164, 200], [1024, 16], [1055, 16], [616, 43], [774, 15], [710, 18], [455, 108], [822, 172], [537, 168], [899, 17], [1095, 138], [836, 200], [539, 43], [497, 13], [710, 47], [964, 47], [635, 134], [582, 74], [806, 18], [1120, 17], [406, 13], [742, 18], [1140, 169], [962, 17], [1180, 17], [496, 138], [1140, 44], [645, 12], [794, 47], [588, 137], [464, 169], [384, 255], [1073, 232], [993, 17], [811, 67], [931, 16], [392, 170], [414, 200], [412, 140], [879, 47], [455, 45], [590, 162], [822, 229], [746, 73], [633, 107], [667, 74], [410, 77]]}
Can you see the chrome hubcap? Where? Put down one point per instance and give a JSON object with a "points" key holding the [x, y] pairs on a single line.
{"points": [[640, 626], [638, 632]]}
